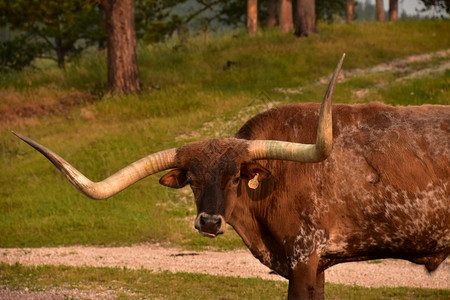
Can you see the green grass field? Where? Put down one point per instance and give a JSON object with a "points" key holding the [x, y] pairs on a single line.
{"points": [[189, 93]]}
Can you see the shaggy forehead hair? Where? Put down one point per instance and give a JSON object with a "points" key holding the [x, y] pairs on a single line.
{"points": [[213, 154]]}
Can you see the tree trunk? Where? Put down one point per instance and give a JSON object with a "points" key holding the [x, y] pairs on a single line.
{"points": [[252, 16], [60, 54], [393, 10], [305, 18], [286, 19], [380, 10], [123, 72], [350, 11], [271, 13]]}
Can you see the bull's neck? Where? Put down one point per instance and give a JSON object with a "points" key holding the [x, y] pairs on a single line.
{"points": [[257, 238]]}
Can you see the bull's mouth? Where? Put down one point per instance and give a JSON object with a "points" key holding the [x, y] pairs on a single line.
{"points": [[210, 235], [210, 225]]}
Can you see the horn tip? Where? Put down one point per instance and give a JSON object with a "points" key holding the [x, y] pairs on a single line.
{"points": [[20, 136], [341, 60], [23, 138]]}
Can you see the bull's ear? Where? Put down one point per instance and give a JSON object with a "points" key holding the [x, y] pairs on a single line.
{"points": [[249, 171], [176, 179]]}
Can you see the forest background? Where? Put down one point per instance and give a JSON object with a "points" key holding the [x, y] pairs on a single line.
{"points": [[62, 30]]}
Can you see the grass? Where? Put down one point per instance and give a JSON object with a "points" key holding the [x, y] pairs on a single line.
{"points": [[185, 87], [419, 91], [136, 284]]}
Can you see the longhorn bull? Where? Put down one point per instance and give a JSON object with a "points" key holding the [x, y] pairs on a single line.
{"points": [[383, 192]]}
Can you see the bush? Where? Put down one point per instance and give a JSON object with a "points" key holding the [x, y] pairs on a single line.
{"points": [[18, 53]]}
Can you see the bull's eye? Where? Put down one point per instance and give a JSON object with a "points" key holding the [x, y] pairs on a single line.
{"points": [[236, 180], [195, 189]]}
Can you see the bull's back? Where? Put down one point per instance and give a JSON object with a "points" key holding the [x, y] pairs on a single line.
{"points": [[405, 146], [386, 181]]}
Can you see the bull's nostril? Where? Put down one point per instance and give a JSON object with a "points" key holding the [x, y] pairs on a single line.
{"points": [[211, 220]]}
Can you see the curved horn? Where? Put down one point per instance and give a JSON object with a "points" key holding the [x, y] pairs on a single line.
{"points": [[115, 183], [260, 149]]}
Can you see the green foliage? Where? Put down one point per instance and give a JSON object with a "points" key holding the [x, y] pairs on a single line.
{"points": [[155, 20], [233, 12], [328, 9], [158, 21], [18, 53], [437, 4], [59, 24]]}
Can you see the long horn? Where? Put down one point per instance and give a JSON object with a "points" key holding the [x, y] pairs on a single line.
{"points": [[115, 183], [267, 149]]}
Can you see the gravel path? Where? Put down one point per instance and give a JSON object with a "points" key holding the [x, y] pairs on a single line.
{"points": [[234, 263]]}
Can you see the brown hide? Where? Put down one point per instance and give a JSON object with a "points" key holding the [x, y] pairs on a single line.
{"points": [[383, 192]]}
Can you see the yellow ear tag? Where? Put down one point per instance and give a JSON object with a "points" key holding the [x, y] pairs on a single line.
{"points": [[254, 183]]}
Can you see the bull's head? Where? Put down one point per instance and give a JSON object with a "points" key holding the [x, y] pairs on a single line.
{"points": [[213, 168]]}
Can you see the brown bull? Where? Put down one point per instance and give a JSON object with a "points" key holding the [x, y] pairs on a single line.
{"points": [[383, 192]]}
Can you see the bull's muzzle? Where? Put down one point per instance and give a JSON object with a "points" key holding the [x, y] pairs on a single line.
{"points": [[210, 225]]}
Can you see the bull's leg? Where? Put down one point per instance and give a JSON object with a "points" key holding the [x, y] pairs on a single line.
{"points": [[319, 290], [305, 283]]}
